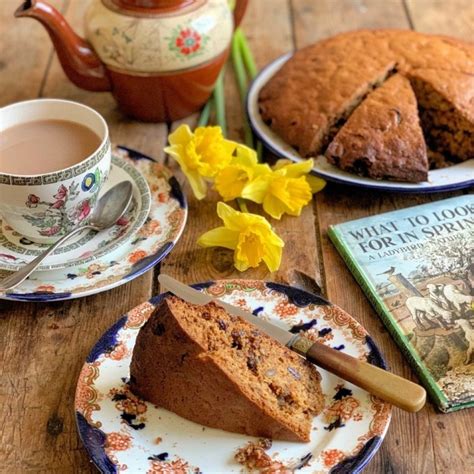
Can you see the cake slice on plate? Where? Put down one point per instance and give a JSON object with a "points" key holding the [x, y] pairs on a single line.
{"points": [[383, 139], [221, 371], [446, 104]]}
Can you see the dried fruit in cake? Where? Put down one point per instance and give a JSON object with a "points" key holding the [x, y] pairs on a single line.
{"points": [[221, 371], [383, 138]]}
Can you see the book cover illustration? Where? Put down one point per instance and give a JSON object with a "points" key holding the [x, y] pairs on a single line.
{"points": [[416, 266]]}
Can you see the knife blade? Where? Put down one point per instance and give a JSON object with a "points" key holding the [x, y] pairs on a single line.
{"points": [[198, 297], [385, 385]]}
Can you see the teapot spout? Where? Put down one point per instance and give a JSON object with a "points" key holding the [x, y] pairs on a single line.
{"points": [[80, 63]]}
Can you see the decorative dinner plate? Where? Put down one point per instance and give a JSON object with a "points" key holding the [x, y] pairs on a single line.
{"points": [[16, 250], [123, 433], [147, 245], [446, 179]]}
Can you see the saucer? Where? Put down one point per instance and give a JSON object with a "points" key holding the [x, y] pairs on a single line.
{"points": [[118, 263], [16, 250]]}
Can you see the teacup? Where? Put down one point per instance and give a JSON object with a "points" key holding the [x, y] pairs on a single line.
{"points": [[44, 207]]}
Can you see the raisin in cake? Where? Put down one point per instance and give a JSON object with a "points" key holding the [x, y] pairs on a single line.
{"points": [[383, 138], [314, 93], [221, 371]]}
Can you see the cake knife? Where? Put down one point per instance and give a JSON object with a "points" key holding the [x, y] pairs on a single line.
{"points": [[396, 390]]}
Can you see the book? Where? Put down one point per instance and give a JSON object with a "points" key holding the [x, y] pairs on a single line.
{"points": [[415, 265]]}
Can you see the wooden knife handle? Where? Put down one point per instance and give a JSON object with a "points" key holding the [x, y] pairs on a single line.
{"points": [[396, 390]]}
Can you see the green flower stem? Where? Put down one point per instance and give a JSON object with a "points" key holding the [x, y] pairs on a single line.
{"points": [[240, 73], [205, 113], [241, 77], [247, 55], [259, 151], [251, 67], [219, 102], [242, 204]]}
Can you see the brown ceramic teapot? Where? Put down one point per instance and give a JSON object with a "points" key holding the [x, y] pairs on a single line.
{"points": [[159, 58]]}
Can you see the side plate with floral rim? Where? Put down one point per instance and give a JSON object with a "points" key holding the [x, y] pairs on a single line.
{"points": [[147, 246], [121, 432]]}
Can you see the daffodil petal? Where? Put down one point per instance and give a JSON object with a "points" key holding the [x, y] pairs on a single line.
{"points": [[181, 135], [281, 163], [316, 184], [229, 146], [273, 238], [232, 219], [295, 170], [173, 150], [274, 207], [246, 156], [219, 237], [197, 182], [255, 190], [261, 169], [272, 258]]}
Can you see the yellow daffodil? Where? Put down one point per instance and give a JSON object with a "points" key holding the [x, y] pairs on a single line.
{"points": [[295, 170], [249, 235], [285, 190], [244, 167], [200, 155]]}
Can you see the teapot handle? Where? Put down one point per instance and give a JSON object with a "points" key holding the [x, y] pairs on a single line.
{"points": [[239, 11]]}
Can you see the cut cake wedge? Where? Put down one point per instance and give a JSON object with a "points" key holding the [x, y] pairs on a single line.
{"points": [[383, 139], [220, 371]]}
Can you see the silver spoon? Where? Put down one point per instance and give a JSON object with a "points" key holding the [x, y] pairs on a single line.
{"points": [[108, 209]]}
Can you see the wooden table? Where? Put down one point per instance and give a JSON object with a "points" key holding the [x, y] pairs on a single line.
{"points": [[43, 346]]}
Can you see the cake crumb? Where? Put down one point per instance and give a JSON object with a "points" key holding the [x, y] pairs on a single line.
{"points": [[158, 440], [253, 456]]}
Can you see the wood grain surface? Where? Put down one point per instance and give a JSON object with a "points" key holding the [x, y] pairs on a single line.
{"points": [[43, 346]]}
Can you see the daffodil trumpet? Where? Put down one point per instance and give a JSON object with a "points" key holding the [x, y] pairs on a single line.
{"points": [[244, 168], [286, 190], [201, 155], [250, 236]]}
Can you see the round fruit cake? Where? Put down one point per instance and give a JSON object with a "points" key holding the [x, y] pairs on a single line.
{"points": [[386, 104]]}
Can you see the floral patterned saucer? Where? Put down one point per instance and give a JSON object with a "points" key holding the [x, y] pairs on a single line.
{"points": [[123, 433], [146, 239], [16, 250]]}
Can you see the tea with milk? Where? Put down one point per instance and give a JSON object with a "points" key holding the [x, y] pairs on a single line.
{"points": [[45, 146]]}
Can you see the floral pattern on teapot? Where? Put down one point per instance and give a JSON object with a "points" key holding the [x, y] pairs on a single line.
{"points": [[140, 45], [187, 43]]}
